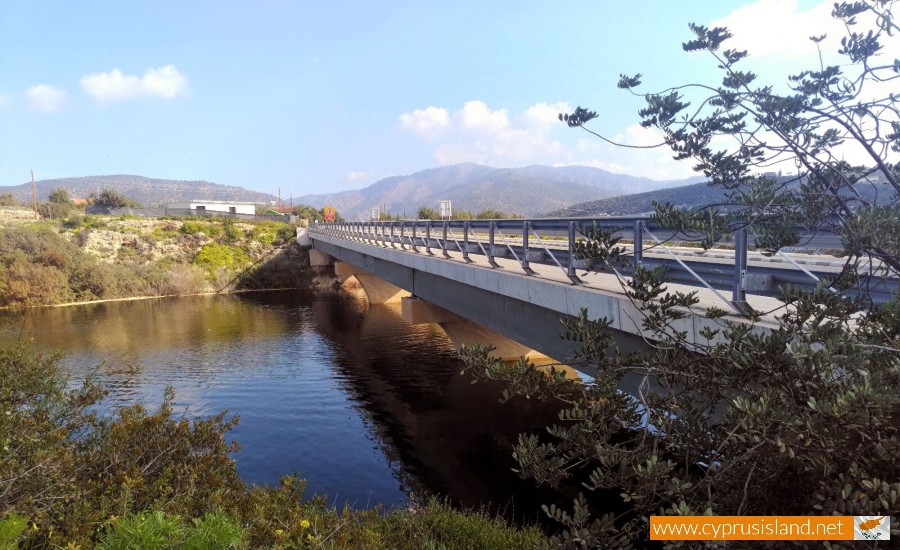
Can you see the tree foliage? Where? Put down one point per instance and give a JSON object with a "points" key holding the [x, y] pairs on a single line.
{"points": [[310, 213], [426, 213], [111, 198], [59, 195], [800, 417]]}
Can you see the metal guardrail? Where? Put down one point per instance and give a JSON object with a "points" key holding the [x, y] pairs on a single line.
{"points": [[556, 238]]}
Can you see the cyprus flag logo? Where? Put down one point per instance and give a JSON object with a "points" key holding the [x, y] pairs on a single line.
{"points": [[871, 527]]}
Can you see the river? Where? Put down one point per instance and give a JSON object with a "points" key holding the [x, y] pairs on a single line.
{"points": [[368, 409]]}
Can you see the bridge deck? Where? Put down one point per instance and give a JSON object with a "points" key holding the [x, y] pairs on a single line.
{"points": [[601, 292]]}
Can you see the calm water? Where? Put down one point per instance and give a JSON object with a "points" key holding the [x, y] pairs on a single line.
{"points": [[364, 406]]}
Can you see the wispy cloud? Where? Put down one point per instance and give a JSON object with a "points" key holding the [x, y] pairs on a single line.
{"points": [[357, 177], [44, 97], [165, 82]]}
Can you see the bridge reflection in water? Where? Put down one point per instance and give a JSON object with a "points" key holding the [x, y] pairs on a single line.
{"points": [[442, 433]]}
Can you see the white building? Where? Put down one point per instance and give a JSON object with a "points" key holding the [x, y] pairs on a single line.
{"points": [[216, 206]]}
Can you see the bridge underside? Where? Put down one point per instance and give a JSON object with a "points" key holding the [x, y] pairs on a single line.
{"points": [[516, 319]]}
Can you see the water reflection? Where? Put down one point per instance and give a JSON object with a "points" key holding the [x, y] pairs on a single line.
{"points": [[366, 407]]}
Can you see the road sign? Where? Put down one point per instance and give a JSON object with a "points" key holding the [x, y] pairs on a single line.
{"points": [[446, 211], [329, 213]]}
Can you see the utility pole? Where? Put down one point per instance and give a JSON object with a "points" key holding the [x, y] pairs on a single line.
{"points": [[34, 196]]}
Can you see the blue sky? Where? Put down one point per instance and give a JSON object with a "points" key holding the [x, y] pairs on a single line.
{"points": [[316, 97]]}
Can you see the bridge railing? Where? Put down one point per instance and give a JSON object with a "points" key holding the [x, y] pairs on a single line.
{"points": [[556, 239]]}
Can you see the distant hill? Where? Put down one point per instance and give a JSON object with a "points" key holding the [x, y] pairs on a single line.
{"points": [[685, 196], [529, 191], [146, 191], [688, 196]]}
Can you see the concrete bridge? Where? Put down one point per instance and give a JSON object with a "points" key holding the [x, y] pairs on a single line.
{"points": [[508, 283]]}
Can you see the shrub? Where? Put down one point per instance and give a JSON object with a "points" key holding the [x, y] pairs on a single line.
{"points": [[148, 531], [11, 528], [158, 480], [263, 234], [214, 255], [204, 227], [230, 232], [113, 199], [181, 279]]}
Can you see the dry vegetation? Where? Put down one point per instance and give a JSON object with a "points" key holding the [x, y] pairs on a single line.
{"points": [[82, 257]]}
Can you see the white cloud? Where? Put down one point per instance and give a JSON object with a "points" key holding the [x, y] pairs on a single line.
{"points": [[355, 177], [496, 137], [545, 114], [476, 116], [477, 133], [44, 97], [429, 122], [165, 82], [780, 28]]}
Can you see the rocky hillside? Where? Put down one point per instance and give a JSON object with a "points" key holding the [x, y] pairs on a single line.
{"points": [[100, 257], [146, 191]]}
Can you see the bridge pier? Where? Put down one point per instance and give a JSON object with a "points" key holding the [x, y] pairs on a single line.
{"points": [[378, 291], [317, 258], [461, 331]]}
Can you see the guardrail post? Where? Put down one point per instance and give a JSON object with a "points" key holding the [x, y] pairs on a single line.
{"points": [[465, 250], [570, 269], [412, 240], [638, 243], [739, 295], [428, 238], [490, 250], [402, 234], [444, 240], [524, 261]]}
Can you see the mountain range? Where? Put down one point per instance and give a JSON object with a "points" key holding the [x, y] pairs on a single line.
{"points": [[146, 191], [698, 195], [530, 191]]}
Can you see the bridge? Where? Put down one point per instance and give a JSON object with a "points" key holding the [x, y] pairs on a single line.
{"points": [[508, 283]]}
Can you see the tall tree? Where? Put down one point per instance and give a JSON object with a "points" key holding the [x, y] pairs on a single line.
{"points": [[801, 419]]}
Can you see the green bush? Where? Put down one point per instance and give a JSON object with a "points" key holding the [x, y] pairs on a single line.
{"points": [[209, 229], [113, 199], [11, 528], [161, 531], [230, 232], [148, 531], [215, 255], [161, 234], [158, 480], [263, 234]]}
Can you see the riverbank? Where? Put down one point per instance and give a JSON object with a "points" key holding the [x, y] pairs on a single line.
{"points": [[148, 477], [87, 259]]}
